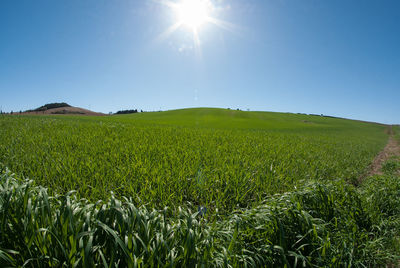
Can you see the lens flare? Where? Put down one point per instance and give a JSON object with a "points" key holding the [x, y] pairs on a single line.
{"points": [[193, 13]]}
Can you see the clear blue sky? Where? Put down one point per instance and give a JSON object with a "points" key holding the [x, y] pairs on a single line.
{"points": [[334, 57]]}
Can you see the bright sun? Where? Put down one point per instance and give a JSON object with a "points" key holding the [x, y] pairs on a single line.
{"points": [[192, 13]]}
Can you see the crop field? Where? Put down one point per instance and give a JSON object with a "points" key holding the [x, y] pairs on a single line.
{"points": [[216, 158], [397, 132], [196, 188]]}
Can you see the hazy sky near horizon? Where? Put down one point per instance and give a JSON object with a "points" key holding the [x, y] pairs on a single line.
{"points": [[333, 57]]}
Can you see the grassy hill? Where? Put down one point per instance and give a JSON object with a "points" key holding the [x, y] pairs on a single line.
{"points": [[177, 156], [188, 187], [60, 108], [234, 119]]}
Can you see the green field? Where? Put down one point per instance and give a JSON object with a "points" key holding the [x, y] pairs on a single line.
{"points": [[218, 158], [196, 188], [397, 132]]}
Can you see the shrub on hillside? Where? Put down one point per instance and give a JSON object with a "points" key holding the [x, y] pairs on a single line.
{"points": [[127, 111], [52, 106]]}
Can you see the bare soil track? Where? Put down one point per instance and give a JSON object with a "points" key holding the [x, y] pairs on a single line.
{"points": [[391, 149]]}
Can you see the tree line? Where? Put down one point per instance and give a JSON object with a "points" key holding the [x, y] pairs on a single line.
{"points": [[132, 111]]}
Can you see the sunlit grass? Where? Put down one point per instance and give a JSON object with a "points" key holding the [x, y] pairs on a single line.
{"points": [[205, 187], [320, 224], [169, 159], [220, 159]]}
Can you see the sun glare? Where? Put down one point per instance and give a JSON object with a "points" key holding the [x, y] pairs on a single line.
{"points": [[192, 13]]}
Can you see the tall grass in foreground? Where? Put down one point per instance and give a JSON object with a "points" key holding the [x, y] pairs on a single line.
{"points": [[318, 225]]}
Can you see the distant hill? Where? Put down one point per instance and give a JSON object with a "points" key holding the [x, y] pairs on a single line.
{"points": [[61, 108], [235, 119], [52, 106]]}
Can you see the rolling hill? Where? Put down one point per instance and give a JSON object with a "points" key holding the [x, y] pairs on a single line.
{"points": [[61, 108]]}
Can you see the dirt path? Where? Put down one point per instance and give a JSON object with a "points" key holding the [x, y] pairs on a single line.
{"points": [[392, 148]]}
